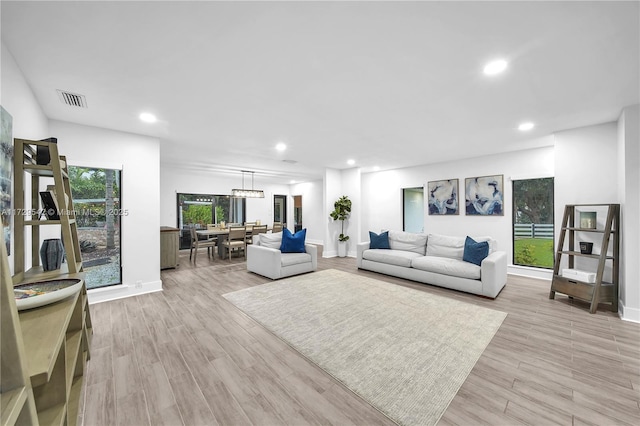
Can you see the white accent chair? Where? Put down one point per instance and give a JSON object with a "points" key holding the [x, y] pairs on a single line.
{"points": [[265, 258]]}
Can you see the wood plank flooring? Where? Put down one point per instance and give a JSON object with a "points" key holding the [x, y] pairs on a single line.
{"points": [[185, 356]]}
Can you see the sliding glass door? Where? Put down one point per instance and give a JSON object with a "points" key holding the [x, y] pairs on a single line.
{"points": [[199, 210]]}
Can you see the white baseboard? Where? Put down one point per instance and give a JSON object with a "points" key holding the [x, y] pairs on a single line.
{"points": [[315, 242], [526, 271], [328, 254], [105, 294], [628, 314]]}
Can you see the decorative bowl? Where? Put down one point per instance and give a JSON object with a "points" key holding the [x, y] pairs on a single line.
{"points": [[33, 295]]}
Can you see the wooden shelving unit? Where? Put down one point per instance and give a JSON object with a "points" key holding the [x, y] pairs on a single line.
{"points": [[17, 403], [44, 349], [26, 160], [599, 291]]}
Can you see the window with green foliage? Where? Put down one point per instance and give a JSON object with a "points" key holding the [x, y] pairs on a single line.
{"points": [[97, 203], [533, 222]]}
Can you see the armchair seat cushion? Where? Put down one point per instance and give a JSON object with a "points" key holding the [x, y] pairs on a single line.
{"points": [[288, 259]]}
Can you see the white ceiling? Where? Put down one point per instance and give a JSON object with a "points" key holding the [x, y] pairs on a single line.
{"points": [[389, 84]]}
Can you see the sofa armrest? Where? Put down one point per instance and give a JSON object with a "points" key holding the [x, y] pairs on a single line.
{"points": [[264, 261], [361, 247], [493, 273], [313, 251]]}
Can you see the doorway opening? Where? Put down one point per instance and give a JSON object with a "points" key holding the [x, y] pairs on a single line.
{"points": [[413, 209]]}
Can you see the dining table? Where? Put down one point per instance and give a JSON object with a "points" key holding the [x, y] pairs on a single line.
{"points": [[221, 235]]}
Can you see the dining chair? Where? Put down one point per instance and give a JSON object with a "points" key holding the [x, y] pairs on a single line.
{"points": [[257, 229], [277, 227], [197, 244], [236, 240], [248, 231]]}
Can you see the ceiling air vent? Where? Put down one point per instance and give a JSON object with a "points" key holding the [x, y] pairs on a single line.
{"points": [[72, 99], [290, 161]]}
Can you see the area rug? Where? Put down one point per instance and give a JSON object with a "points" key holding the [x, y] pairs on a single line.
{"points": [[404, 351]]}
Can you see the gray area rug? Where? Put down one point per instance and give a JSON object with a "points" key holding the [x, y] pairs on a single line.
{"points": [[404, 351]]}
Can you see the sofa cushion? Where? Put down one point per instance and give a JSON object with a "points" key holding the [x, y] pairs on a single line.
{"points": [[474, 251], [445, 246], [271, 240], [408, 241], [447, 266], [390, 257], [379, 241], [288, 259], [293, 243]]}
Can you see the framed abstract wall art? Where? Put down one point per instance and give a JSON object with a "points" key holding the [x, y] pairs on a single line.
{"points": [[6, 166], [443, 197], [484, 196]]}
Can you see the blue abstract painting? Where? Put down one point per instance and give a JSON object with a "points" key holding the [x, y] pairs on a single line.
{"points": [[443, 197], [484, 196]]}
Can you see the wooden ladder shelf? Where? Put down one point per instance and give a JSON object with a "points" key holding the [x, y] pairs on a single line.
{"points": [[599, 291]]}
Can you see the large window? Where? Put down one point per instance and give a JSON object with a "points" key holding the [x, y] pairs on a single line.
{"points": [[533, 222], [199, 210], [97, 201]]}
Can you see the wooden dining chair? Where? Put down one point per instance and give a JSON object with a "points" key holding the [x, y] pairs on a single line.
{"points": [[277, 227], [257, 229], [236, 240], [197, 244]]}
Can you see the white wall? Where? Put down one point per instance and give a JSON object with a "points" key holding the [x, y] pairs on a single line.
{"points": [[139, 158], [332, 190], [312, 210], [629, 195], [352, 188], [382, 199], [29, 122], [586, 172]]}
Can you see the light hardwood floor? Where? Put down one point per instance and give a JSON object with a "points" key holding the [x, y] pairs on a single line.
{"points": [[187, 356]]}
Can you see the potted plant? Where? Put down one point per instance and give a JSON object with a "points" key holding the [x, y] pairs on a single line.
{"points": [[341, 212]]}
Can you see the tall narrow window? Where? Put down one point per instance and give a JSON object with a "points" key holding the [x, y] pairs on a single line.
{"points": [[533, 222], [97, 201]]}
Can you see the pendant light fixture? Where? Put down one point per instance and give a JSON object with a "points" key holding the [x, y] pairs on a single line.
{"points": [[247, 193]]}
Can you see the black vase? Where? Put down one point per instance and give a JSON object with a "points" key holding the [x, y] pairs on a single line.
{"points": [[51, 254]]}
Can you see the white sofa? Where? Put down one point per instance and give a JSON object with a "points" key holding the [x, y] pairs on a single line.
{"points": [[437, 259], [264, 258]]}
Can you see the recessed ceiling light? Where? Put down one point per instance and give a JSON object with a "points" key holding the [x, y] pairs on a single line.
{"points": [[351, 162], [495, 67], [281, 146], [526, 126], [148, 117], [292, 181]]}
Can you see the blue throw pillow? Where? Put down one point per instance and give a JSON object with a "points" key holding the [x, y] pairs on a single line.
{"points": [[293, 243], [475, 252], [379, 241]]}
